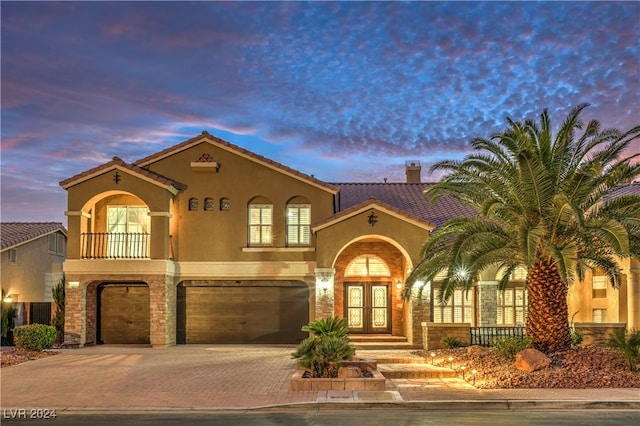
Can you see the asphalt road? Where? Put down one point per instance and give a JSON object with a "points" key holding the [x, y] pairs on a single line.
{"points": [[371, 417]]}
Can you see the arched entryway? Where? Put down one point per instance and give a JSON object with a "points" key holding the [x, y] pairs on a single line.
{"points": [[368, 284], [123, 313]]}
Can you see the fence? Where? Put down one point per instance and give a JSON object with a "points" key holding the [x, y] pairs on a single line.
{"points": [[115, 245], [485, 336]]}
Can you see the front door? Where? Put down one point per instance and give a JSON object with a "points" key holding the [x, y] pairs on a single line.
{"points": [[368, 307]]}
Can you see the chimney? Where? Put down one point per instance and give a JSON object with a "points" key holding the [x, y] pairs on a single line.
{"points": [[412, 169]]}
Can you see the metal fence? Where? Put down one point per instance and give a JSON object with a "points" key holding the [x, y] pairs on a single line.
{"points": [[40, 313], [115, 245], [485, 336]]}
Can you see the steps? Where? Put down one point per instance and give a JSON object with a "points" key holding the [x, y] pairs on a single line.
{"points": [[380, 342]]}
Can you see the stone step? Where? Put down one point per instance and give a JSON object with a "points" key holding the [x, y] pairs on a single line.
{"points": [[415, 371]]}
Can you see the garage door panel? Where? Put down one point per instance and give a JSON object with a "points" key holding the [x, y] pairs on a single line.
{"points": [[245, 314], [124, 314]]}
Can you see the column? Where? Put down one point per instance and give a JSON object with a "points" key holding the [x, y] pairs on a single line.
{"points": [[487, 303], [324, 292], [633, 299]]}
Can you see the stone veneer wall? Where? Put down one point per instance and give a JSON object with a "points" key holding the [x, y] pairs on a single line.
{"points": [[597, 333], [435, 333], [81, 307], [394, 260]]}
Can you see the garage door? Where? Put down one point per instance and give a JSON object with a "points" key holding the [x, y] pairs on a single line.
{"points": [[246, 314], [123, 314]]}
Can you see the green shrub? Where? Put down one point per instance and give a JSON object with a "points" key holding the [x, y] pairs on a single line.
{"points": [[58, 318], [331, 326], [452, 342], [508, 347], [321, 354], [628, 344], [34, 337], [576, 337]]}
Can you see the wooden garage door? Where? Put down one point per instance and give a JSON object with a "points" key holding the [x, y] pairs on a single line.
{"points": [[245, 314], [123, 314]]}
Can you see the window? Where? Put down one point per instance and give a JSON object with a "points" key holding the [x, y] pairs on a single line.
{"points": [[367, 266], [599, 287], [127, 229], [512, 306], [13, 256], [599, 315], [260, 224], [56, 244], [458, 309], [298, 224]]}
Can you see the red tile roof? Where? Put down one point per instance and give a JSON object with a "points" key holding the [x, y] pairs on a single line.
{"points": [[406, 197], [119, 162], [16, 233]]}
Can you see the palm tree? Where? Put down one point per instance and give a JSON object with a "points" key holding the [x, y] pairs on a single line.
{"points": [[544, 203]]}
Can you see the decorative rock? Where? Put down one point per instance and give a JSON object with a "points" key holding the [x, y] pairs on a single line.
{"points": [[349, 372], [532, 360], [475, 349]]}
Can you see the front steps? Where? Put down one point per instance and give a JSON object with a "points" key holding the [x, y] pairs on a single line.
{"points": [[380, 342]]}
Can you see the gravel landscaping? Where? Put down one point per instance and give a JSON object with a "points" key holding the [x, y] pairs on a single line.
{"points": [[578, 368]]}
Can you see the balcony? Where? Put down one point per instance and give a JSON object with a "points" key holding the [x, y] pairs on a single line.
{"points": [[115, 245]]}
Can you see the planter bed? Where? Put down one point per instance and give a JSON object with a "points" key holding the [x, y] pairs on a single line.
{"points": [[375, 383]]}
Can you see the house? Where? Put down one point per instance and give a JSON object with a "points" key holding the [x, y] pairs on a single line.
{"points": [[32, 256], [207, 242]]}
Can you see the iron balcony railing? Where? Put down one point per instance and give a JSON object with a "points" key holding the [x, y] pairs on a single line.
{"points": [[115, 245], [485, 336]]}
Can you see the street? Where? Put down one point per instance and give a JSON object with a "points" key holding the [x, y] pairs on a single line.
{"points": [[369, 417]]}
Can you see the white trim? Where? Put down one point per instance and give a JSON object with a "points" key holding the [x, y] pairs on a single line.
{"points": [[78, 213], [119, 267], [246, 270], [133, 173]]}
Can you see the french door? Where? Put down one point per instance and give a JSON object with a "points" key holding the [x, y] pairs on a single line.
{"points": [[368, 307]]}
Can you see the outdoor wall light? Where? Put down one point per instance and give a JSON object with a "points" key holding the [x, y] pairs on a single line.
{"points": [[372, 219], [9, 298], [451, 362], [433, 355]]}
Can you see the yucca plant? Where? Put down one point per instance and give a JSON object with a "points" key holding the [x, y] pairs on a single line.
{"points": [[628, 344], [321, 354]]}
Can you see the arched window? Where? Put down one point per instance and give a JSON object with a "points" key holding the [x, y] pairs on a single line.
{"points": [[367, 266], [298, 222]]}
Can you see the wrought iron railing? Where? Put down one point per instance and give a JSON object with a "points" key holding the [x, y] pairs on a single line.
{"points": [[485, 336], [115, 245]]}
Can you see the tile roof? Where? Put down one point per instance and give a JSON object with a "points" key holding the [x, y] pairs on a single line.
{"points": [[229, 146], [365, 205], [631, 189], [15, 233], [406, 197], [119, 162]]}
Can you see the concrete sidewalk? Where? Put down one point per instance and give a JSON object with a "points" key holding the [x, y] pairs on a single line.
{"points": [[241, 377]]}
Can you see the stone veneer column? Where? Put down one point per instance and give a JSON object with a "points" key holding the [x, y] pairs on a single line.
{"points": [[325, 292], [633, 299], [75, 333], [487, 303], [162, 294], [420, 306]]}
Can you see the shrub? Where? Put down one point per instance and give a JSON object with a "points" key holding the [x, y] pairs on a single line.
{"points": [[452, 342], [331, 326], [34, 337], [576, 335], [329, 344], [508, 347], [628, 344], [58, 318]]}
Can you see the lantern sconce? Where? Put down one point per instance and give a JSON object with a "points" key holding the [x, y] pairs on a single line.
{"points": [[372, 219]]}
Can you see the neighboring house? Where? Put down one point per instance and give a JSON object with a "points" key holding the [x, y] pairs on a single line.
{"points": [[206, 242], [32, 257]]}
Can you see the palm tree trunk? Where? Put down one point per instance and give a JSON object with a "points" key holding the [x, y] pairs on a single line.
{"points": [[548, 312]]}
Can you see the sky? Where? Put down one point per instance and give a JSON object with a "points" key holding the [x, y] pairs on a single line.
{"points": [[344, 91]]}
